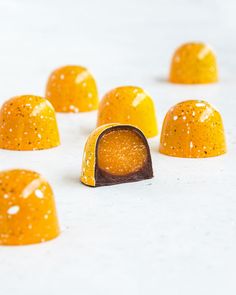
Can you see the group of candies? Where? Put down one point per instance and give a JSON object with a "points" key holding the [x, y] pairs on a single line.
{"points": [[116, 151]]}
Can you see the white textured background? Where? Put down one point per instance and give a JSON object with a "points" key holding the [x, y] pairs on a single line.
{"points": [[175, 234]]}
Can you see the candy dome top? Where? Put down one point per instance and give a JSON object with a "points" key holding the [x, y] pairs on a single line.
{"points": [[193, 63], [27, 209], [193, 129], [28, 122], [72, 89], [129, 105]]}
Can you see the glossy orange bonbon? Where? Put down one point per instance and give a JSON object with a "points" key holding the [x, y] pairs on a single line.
{"points": [[28, 122], [115, 153], [27, 209], [194, 63], [193, 129], [129, 105], [72, 89]]}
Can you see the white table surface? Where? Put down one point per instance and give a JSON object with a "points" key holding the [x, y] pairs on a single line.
{"points": [[174, 234]]}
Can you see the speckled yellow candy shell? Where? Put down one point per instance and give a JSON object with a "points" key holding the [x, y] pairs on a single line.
{"points": [[194, 63], [193, 129], [28, 122], [89, 156], [129, 105], [72, 89], [27, 209]]}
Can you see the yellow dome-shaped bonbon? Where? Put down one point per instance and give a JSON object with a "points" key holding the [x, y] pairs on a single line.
{"points": [[27, 209], [193, 63], [129, 105], [193, 129], [27, 123], [72, 89]]}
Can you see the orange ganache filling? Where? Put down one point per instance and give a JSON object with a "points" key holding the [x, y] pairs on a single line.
{"points": [[121, 152]]}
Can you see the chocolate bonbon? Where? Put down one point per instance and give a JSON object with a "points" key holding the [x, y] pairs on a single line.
{"points": [[27, 209], [28, 122], [72, 89], [193, 129], [193, 63], [116, 153], [129, 105]]}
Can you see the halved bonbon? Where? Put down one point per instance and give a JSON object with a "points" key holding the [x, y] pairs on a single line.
{"points": [[28, 122], [129, 105], [116, 153], [72, 89], [27, 209], [193, 63], [193, 129]]}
